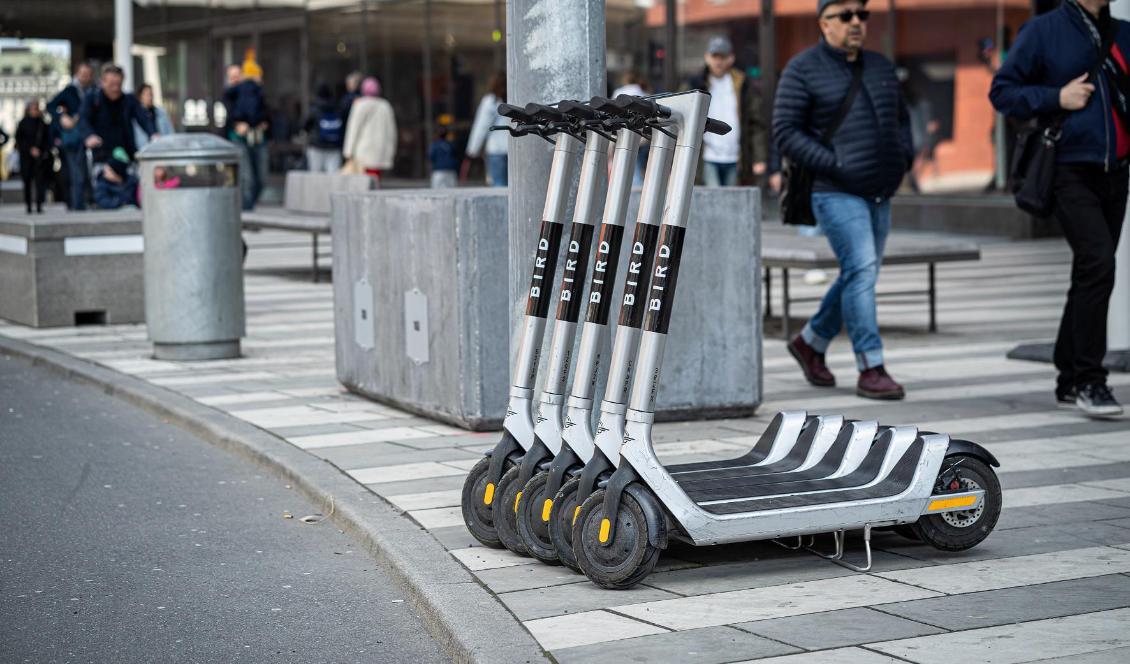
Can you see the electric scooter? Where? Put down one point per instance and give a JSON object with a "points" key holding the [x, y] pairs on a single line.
{"points": [[805, 476]]}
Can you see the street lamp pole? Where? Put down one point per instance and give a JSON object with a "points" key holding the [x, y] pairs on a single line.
{"points": [[123, 40]]}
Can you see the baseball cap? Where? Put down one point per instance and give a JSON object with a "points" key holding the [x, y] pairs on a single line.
{"points": [[720, 46], [821, 5]]}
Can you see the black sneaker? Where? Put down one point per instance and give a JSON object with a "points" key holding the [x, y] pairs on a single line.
{"points": [[1065, 398], [1095, 400]]}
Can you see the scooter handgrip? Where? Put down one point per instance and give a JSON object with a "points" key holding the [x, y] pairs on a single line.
{"points": [[543, 113], [717, 127], [646, 107], [513, 112], [577, 110]]}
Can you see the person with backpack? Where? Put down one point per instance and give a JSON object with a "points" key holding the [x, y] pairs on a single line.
{"points": [[106, 126], [839, 114], [64, 111], [325, 133], [1069, 70]]}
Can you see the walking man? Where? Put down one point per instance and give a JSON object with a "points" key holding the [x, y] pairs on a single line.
{"points": [[739, 155], [106, 126], [855, 173], [64, 111], [1048, 74]]}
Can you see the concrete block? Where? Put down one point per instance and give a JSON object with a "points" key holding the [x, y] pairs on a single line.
{"points": [[311, 192], [444, 252], [62, 268]]}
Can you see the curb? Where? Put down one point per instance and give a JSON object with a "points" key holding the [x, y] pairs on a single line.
{"points": [[458, 612]]}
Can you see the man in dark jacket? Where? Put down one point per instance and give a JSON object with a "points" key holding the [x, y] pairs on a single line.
{"points": [[106, 126], [325, 133], [856, 172], [740, 154], [1047, 73], [64, 112]]}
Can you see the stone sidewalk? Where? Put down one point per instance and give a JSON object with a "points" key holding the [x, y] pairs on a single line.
{"points": [[1052, 582]]}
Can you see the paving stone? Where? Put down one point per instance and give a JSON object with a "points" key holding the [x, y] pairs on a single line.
{"points": [[1121, 523], [454, 537], [766, 603], [440, 517], [427, 500], [1017, 571], [580, 629], [1113, 656], [1013, 605], [738, 576], [1057, 637], [573, 598], [710, 645], [838, 656], [1015, 542], [1051, 515], [401, 472], [479, 557], [1051, 475], [524, 577], [386, 454], [312, 430], [450, 483], [835, 629]]}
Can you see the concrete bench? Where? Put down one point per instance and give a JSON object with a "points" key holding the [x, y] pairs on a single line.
{"points": [[306, 206], [422, 312], [64, 268], [783, 248]]}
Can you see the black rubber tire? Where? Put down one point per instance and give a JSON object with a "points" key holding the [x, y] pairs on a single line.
{"points": [[938, 533], [630, 557], [907, 531], [478, 516], [561, 523], [533, 531], [506, 501]]}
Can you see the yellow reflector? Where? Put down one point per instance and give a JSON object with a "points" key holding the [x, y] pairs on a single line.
{"points": [[488, 494], [545, 508], [950, 503], [605, 526], [576, 513], [517, 499]]}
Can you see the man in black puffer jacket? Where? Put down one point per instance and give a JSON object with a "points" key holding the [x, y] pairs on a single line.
{"points": [[856, 173]]}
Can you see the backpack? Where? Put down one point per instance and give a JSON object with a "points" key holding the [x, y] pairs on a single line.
{"points": [[330, 128]]}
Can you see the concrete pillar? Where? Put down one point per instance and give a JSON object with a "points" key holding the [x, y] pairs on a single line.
{"points": [[123, 40], [1118, 316], [555, 49]]}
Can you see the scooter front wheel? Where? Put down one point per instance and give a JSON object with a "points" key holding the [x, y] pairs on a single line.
{"points": [[628, 558], [477, 503], [533, 520], [507, 502], [561, 518], [965, 529]]}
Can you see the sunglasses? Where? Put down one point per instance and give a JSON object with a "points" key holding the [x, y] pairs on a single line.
{"points": [[845, 15]]}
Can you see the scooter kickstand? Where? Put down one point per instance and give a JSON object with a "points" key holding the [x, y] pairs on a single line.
{"points": [[799, 543], [838, 556]]}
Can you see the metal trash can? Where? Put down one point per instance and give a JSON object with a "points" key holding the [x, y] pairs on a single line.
{"points": [[190, 206]]}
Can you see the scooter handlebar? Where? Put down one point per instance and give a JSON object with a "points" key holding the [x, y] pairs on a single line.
{"points": [[543, 113], [646, 107], [577, 110], [514, 112]]}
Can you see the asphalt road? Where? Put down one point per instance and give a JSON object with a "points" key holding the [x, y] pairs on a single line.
{"points": [[125, 539]]}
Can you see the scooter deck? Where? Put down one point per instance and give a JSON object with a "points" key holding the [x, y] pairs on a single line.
{"points": [[832, 463], [895, 483], [762, 450]]}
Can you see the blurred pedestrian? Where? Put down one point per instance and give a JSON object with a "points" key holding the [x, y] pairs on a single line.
{"points": [[370, 135], [64, 110], [247, 117], [838, 113], [493, 146], [1068, 69], [157, 116], [739, 156], [352, 92], [445, 165], [33, 142], [106, 126], [325, 133]]}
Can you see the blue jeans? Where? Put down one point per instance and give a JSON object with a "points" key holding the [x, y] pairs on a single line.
{"points": [[252, 173], [78, 176], [857, 229], [497, 165], [716, 174]]}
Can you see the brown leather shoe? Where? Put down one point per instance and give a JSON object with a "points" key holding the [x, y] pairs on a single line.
{"points": [[811, 363], [876, 383]]}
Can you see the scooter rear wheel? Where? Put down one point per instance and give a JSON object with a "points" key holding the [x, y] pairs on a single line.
{"points": [[477, 514], [506, 505], [533, 530], [561, 519], [958, 531], [624, 562]]}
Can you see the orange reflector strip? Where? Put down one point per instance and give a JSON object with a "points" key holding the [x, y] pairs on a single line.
{"points": [[950, 503], [488, 494]]}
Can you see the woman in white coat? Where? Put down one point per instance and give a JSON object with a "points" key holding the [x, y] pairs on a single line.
{"points": [[370, 133]]}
